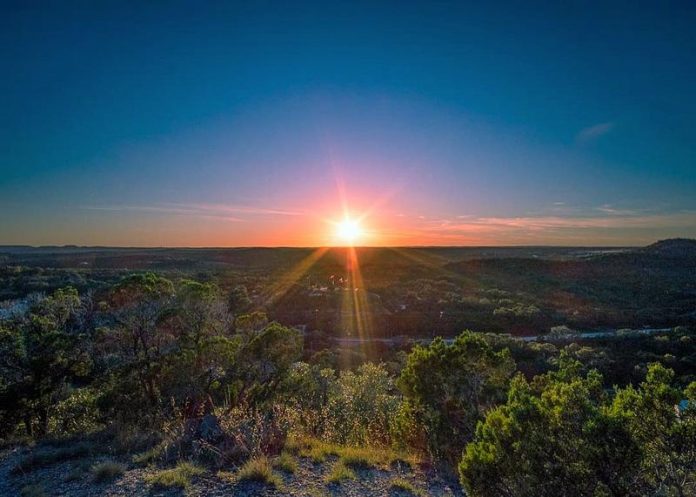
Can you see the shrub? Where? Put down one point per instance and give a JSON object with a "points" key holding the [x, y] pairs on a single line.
{"points": [[555, 436], [360, 406], [406, 430], [77, 414], [449, 387], [107, 471], [129, 439]]}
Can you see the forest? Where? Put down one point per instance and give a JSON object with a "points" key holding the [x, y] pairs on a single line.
{"points": [[196, 382]]}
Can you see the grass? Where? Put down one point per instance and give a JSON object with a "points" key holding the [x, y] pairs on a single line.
{"points": [[404, 486], [316, 450], [129, 440], [352, 457], [77, 472], [339, 473], [317, 492], [149, 456], [34, 490], [362, 457], [285, 462], [176, 477], [259, 470], [107, 471], [45, 457]]}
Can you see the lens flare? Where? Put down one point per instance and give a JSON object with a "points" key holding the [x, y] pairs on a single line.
{"points": [[349, 231]]}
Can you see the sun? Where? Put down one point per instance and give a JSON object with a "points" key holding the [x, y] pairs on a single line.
{"points": [[349, 231]]}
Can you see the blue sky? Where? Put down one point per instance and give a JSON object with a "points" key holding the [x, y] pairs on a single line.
{"points": [[253, 123]]}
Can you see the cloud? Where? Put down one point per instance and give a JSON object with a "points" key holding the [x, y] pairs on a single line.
{"points": [[591, 133], [244, 209], [613, 211], [604, 225], [681, 219], [228, 212]]}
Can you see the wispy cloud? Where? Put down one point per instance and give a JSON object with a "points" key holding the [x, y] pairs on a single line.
{"points": [[228, 212], [615, 211], [605, 224], [244, 209], [593, 132], [681, 219]]}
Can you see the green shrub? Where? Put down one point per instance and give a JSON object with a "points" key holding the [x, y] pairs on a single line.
{"points": [[360, 406], [450, 387], [77, 414], [554, 436]]}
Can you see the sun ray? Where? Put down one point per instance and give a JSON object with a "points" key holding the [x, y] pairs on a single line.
{"points": [[356, 314], [285, 282]]}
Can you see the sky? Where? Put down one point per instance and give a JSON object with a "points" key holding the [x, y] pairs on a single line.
{"points": [[267, 123]]}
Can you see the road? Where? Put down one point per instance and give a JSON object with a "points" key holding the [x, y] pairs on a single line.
{"points": [[532, 338]]}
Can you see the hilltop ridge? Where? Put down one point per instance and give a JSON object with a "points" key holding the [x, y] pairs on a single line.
{"points": [[673, 247]]}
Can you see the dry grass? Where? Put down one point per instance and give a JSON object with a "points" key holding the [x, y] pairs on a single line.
{"points": [[312, 448], [107, 471], [149, 456], [259, 470], [352, 457], [339, 473], [77, 471], [318, 492], [177, 477], [404, 486], [34, 490], [285, 462], [41, 458], [363, 457]]}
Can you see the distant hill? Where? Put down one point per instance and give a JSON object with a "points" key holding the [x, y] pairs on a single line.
{"points": [[673, 247]]}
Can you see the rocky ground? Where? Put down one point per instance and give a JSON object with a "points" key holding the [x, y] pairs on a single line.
{"points": [[73, 475]]}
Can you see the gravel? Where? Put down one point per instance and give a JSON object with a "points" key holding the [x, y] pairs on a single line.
{"points": [[73, 478]]}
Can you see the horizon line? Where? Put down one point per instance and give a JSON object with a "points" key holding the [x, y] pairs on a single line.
{"points": [[312, 247]]}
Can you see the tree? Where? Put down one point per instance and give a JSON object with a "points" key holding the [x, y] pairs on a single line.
{"points": [[663, 421], [265, 361], [239, 301], [204, 348], [39, 357], [451, 386], [136, 306], [553, 437]]}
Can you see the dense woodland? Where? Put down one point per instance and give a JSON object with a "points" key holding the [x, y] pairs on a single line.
{"points": [[165, 367]]}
